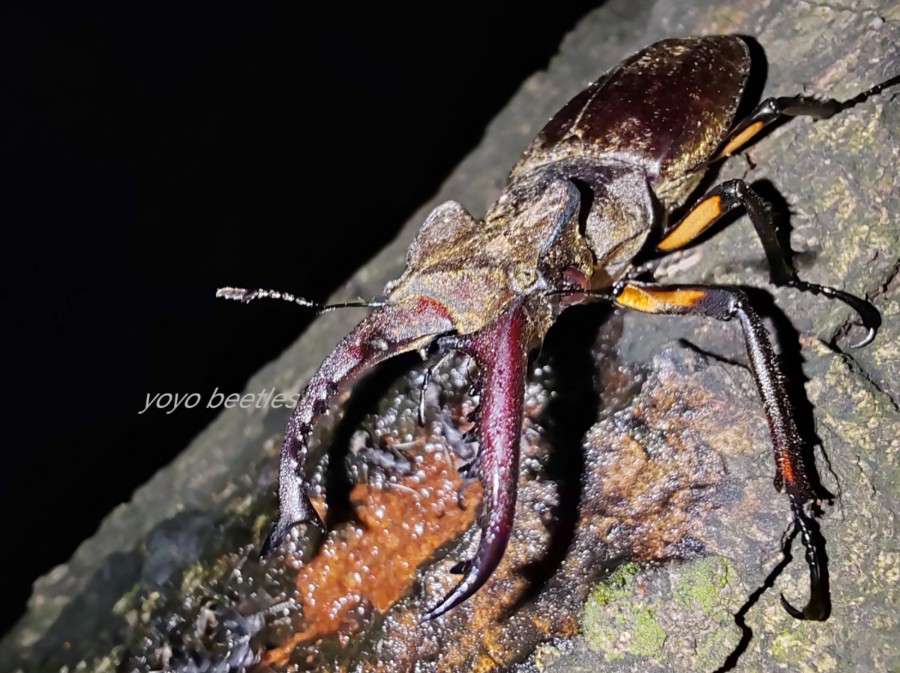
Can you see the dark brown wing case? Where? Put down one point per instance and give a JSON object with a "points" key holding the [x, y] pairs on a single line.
{"points": [[667, 108]]}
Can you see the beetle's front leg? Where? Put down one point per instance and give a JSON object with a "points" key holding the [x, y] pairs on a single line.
{"points": [[501, 353], [790, 468], [389, 331]]}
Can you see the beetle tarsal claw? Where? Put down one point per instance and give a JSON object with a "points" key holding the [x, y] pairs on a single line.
{"points": [[866, 340], [817, 607], [868, 314], [462, 567], [814, 610]]}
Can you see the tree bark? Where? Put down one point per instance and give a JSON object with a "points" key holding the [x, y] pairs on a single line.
{"points": [[652, 541]]}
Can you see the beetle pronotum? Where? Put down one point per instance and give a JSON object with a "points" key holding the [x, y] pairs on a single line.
{"points": [[586, 201]]}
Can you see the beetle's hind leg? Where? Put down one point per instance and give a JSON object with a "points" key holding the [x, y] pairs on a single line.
{"points": [[724, 303], [772, 109], [729, 195]]}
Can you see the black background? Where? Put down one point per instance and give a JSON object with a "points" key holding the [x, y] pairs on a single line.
{"points": [[155, 151]]}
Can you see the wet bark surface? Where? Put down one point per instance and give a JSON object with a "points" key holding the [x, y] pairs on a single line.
{"points": [[648, 532]]}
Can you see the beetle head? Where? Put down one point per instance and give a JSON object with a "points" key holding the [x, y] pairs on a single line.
{"points": [[476, 269]]}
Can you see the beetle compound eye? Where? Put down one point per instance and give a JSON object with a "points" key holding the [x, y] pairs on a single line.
{"points": [[577, 285], [576, 279]]}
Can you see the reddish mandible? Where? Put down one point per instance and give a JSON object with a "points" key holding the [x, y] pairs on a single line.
{"points": [[582, 218]]}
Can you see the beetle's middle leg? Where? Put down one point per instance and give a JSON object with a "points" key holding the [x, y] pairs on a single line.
{"points": [[723, 303], [729, 195]]}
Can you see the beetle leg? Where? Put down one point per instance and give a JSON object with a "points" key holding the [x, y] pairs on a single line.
{"points": [[792, 106], [729, 195], [790, 469], [423, 387], [501, 352], [389, 331], [469, 470]]}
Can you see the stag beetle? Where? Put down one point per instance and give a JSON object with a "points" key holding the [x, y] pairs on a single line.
{"points": [[586, 201]]}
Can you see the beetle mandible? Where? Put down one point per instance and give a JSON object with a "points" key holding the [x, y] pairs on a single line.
{"points": [[587, 200]]}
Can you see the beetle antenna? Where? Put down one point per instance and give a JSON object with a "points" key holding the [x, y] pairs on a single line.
{"points": [[246, 296]]}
